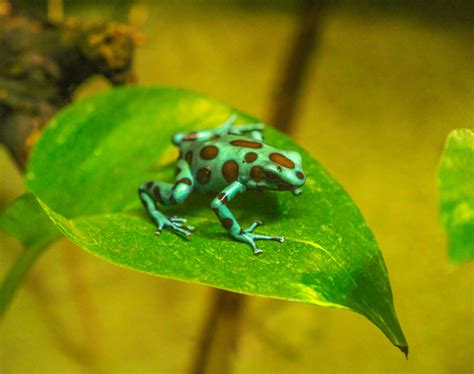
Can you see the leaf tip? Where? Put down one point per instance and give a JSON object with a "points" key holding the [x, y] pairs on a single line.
{"points": [[404, 349]]}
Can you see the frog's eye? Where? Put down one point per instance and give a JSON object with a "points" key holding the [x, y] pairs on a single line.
{"points": [[270, 176]]}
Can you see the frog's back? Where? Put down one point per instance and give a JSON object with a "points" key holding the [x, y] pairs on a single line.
{"points": [[220, 161]]}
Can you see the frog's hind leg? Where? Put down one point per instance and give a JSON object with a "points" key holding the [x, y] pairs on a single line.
{"points": [[203, 135], [255, 130], [219, 206], [168, 194]]}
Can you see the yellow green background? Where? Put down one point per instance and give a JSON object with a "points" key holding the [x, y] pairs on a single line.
{"points": [[383, 90]]}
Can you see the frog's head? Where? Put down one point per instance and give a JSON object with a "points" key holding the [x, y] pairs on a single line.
{"points": [[282, 172]]}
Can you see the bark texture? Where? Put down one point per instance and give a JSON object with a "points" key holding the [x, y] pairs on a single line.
{"points": [[42, 63]]}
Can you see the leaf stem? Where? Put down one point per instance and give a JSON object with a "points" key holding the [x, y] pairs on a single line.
{"points": [[17, 273]]}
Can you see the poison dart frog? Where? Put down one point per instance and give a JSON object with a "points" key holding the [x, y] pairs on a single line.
{"points": [[228, 160]]}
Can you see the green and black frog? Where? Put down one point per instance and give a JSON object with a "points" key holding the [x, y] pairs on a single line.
{"points": [[227, 160]]}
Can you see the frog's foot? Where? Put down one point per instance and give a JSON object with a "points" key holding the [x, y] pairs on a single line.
{"points": [[174, 223], [248, 237]]}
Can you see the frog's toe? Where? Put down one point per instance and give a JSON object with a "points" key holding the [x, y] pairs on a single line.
{"points": [[177, 219], [185, 227], [248, 238], [160, 226], [257, 251], [279, 239], [297, 191], [254, 225], [184, 230]]}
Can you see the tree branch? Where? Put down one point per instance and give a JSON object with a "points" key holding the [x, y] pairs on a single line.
{"points": [[288, 91], [220, 333]]}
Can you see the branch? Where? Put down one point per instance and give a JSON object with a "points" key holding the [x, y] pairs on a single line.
{"points": [[220, 334], [42, 63], [288, 91]]}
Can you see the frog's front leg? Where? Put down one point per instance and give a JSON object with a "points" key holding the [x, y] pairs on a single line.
{"points": [[168, 194], [219, 206]]}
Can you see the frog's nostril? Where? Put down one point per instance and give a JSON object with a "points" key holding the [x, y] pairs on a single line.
{"points": [[300, 175]]}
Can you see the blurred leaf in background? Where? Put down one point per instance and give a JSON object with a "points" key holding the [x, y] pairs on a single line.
{"points": [[456, 193]]}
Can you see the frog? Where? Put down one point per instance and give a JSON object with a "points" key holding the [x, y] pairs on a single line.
{"points": [[225, 161]]}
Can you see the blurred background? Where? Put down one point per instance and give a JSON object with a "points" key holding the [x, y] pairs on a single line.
{"points": [[374, 89]]}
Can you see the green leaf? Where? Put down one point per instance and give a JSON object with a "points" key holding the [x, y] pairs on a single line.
{"points": [[456, 190], [89, 162]]}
